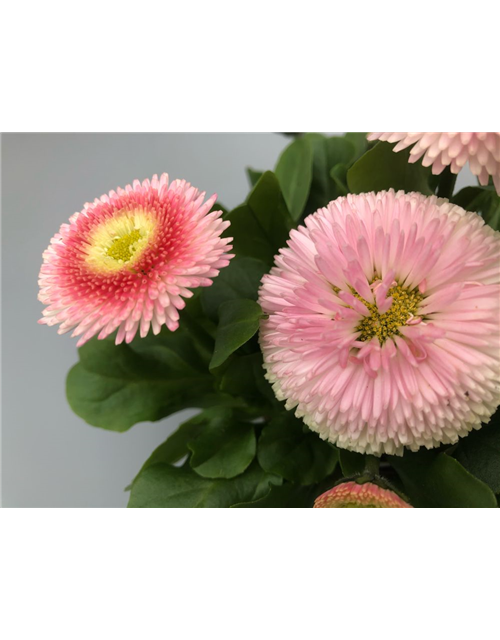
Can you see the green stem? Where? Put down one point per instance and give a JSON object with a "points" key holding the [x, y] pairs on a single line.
{"points": [[372, 464], [446, 184]]}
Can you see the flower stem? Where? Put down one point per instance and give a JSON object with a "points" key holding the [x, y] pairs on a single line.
{"points": [[372, 464], [446, 184]]}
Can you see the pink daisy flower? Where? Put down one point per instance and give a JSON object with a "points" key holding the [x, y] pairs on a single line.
{"points": [[383, 328], [127, 260], [350, 494], [454, 150]]}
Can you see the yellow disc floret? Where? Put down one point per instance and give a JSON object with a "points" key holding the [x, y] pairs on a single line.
{"points": [[384, 325], [120, 241]]}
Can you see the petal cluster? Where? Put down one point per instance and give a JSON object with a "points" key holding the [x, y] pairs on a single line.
{"points": [[127, 260], [454, 150], [383, 327], [352, 495]]}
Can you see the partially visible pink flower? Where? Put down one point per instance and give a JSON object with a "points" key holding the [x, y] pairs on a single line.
{"points": [[440, 150], [351, 494], [127, 260], [383, 327]]}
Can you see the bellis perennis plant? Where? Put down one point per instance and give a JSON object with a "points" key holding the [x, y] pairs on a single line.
{"points": [[339, 331]]}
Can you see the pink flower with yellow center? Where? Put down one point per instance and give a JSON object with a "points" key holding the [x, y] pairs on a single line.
{"points": [[127, 260], [454, 150], [383, 322], [352, 495]]}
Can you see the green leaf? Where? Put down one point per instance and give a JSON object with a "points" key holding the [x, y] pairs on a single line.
{"points": [[116, 386], [241, 279], [253, 176], [294, 173], [238, 322], [289, 449], [175, 446], [244, 376], [351, 462], [261, 226], [224, 448], [327, 153], [338, 174], [479, 453], [483, 200], [359, 142], [380, 169], [164, 486], [281, 496], [437, 480]]}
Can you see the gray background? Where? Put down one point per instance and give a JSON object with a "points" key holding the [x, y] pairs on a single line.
{"points": [[63, 574], [50, 457]]}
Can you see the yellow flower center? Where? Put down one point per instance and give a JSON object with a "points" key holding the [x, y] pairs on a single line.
{"points": [[384, 325], [120, 241], [124, 248]]}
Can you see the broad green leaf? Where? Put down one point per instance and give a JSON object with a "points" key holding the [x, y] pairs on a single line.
{"points": [[351, 462], [294, 173], [175, 446], [472, 198], [287, 448], [201, 328], [359, 142], [244, 376], [116, 386], [253, 176], [285, 496], [432, 480], [238, 322], [483, 200], [327, 153], [380, 169], [338, 174], [479, 453], [261, 226], [164, 486], [241, 279], [224, 448]]}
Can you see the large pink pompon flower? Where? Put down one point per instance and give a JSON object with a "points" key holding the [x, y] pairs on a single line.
{"points": [[128, 259], [350, 495], [454, 150], [383, 322]]}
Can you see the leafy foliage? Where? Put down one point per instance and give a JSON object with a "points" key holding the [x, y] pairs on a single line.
{"points": [[294, 173], [479, 453], [380, 169], [437, 480], [329, 155], [238, 322], [161, 485], [483, 200], [290, 450], [225, 446], [260, 227], [114, 387], [351, 463]]}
